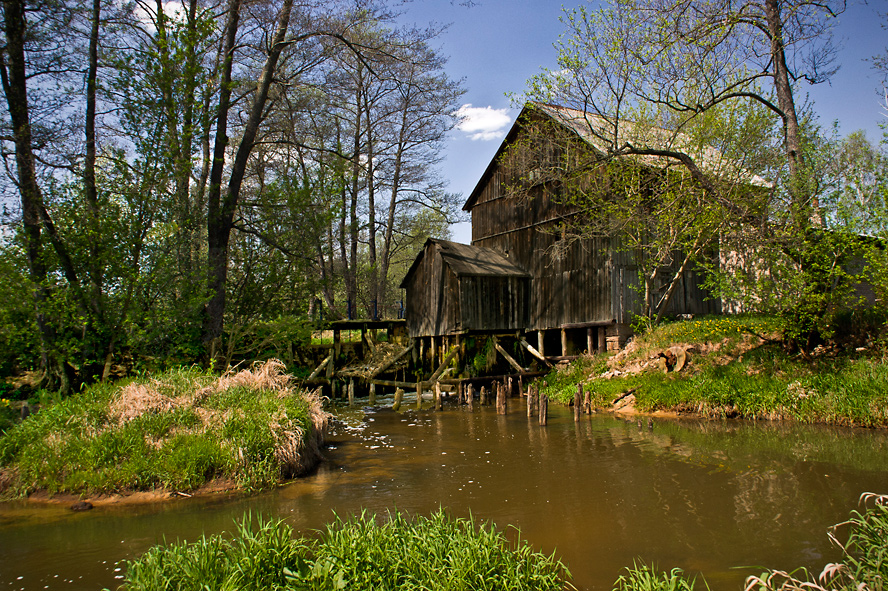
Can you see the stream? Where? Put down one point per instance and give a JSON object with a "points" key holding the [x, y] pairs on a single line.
{"points": [[704, 496]]}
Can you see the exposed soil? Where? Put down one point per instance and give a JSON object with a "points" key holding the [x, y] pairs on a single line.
{"points": [[215, 487]]}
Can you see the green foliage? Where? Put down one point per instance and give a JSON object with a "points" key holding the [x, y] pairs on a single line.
{"points": [[177, 431], [641, 577], [362, 552], [742, 375], [257, 558]]}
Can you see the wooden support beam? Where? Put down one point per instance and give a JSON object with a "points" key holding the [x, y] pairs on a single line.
{"points": [[391, 362], [320, 367], [590, 343], [443, 365], [541, 340], [534, 352], [564, 342], [507, 357]]}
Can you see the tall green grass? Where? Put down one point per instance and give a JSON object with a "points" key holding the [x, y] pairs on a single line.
{"points": [[175, 432], [362, 552]]}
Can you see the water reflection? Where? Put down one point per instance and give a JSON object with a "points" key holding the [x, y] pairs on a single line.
{"points": [[702, 496]]}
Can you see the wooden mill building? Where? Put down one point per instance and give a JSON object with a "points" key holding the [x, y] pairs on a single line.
{"points": [[515, 277]]}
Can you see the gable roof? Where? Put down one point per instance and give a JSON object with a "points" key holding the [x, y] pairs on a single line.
{"points": [[592, 130], [469, 261]]}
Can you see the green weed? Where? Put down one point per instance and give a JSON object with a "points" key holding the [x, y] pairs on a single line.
{"points": [[362, 552]]}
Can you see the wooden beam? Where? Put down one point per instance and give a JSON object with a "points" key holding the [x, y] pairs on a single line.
{"points": [[534, 352], [441, 367], [391, 362], [319, 368], [508, 357]]}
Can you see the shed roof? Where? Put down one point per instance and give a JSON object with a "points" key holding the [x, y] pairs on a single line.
{"points": [[469, 261]]}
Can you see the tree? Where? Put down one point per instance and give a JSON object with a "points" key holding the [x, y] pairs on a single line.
{"points": [[708, 89]]}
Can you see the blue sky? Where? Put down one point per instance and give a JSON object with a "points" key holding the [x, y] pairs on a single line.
{"points": [[496, 45]]}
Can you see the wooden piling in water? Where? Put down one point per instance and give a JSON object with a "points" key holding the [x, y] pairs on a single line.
{"points": [[438, 403], [351, 392], [483, 395], [470, 396], [544, 410], [578, 397], [587, 402], [372, 394], [531, 400], [399, 397], [501, 407], [418, 395]]}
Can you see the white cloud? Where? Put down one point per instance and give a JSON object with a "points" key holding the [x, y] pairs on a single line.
{"points": [[483, 123]]}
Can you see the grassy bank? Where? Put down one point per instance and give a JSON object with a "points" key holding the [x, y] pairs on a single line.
{"points": [[363, 552], [175, 432], [735, 367]]}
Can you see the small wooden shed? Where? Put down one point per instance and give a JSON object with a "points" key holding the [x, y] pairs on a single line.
{"points": [[456, 288]]}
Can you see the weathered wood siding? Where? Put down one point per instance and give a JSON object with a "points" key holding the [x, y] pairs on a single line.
{"points": [[494, 303], [439, 302], [589, 281], [432, 305]]}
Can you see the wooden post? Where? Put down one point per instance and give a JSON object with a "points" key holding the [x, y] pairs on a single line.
{"points": [[511, 388], [337, 343], [578, 401], [532, 400], [483, 396], [399, 396], [351, 392], [372, 394], [602, 339], [541, 339], [520, 385], [564, 342], [418, 395], [501, 400], [544, 410], [589, 341], [587, 402], [470, 396], [438, 404]]}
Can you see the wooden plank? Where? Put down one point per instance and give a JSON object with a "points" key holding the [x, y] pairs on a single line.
{"points": [[444, 363], [508, 357], [391, 362], [320, 367], [534, 352]]}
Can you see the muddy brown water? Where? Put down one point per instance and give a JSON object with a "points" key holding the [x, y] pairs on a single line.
{"points": [[704, 496]]}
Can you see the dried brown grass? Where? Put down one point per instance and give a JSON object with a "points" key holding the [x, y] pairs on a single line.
{"points": [[295, 450]]}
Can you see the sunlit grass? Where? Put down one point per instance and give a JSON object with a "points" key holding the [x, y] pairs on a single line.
{"points": [[175, 432], [361, 552]]}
